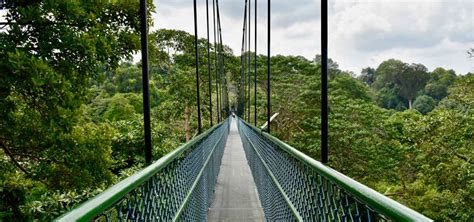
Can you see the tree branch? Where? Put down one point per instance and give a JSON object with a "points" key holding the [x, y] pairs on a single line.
{"points": [[394, 194], [463, 158], [9, 154]]}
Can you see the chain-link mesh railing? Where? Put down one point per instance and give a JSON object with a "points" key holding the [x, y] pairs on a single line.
{"points": [[294, 187], [178, 187]]}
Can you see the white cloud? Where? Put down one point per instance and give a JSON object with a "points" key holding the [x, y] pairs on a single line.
{"points": [[362, 32], [435, 33]]}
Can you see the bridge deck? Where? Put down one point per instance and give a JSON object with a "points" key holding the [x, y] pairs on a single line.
{"points": [[236, 197]]}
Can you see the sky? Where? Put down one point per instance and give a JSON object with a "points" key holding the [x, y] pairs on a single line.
{"points": [[436, 33]]}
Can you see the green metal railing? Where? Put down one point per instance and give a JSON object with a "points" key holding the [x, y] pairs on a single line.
{"points": [[177, 187], [295, 187]]}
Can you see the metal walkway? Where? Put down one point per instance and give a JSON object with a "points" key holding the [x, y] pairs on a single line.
{"points": [[236, 197]]}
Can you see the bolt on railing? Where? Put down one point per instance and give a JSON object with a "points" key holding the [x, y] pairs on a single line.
{"points": [[179, 186], [295, 187]]}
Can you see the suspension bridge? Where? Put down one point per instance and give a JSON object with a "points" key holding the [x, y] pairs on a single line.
{"points": [[235, 171]]}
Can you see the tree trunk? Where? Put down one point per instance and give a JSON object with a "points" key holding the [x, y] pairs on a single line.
{"points": [[409, 104], [186, 123]]}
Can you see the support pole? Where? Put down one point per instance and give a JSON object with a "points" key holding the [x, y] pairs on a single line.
{"points": [[145, 81], [324, 81], [198, 95]]}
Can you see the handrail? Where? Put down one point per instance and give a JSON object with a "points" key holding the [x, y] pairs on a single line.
{"points": [[193, 187], [362, 193], [105, 200], [280, 189]]}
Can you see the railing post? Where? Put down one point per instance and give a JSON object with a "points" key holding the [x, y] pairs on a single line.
{"points": [[145, 80]]}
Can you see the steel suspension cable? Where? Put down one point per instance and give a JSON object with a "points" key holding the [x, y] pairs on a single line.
{"points": [[219, 29], [250, 57], [240, 112], [198, 95], [245, 61], [242, 86], [222, 73], [255, 70], [268, 63], [219, 53], [216, 59], [209, 62], [242, 69]]}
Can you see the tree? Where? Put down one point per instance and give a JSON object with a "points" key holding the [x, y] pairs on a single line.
{"points": [[385, 70], [461, 94], [445, 150], [333, 67], [119, 108], [388, 98], [410, 81], [409, 78], [440, 80], [350, 88], [367, 75], [51, 51], [424, 104]]}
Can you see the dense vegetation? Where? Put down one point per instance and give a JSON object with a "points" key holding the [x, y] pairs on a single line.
{"points": [[71, 112], [422, 157], [71, 104]]}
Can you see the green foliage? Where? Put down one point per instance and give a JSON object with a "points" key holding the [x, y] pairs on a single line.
{"points": [[51, 205], [86, 151], [51, 53], [408, 79], [119, 108], [348, 87], [367, 75], [440, 80], [387, 98], [397, 84], [461, 94], [424, 104], [420, 157]]}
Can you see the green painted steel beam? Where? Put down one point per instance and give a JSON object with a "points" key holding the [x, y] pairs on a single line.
{"points": [[380, 203]]}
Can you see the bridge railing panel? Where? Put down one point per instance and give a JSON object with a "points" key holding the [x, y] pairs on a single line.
{"points": [[295, 187], [178, 186]]}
